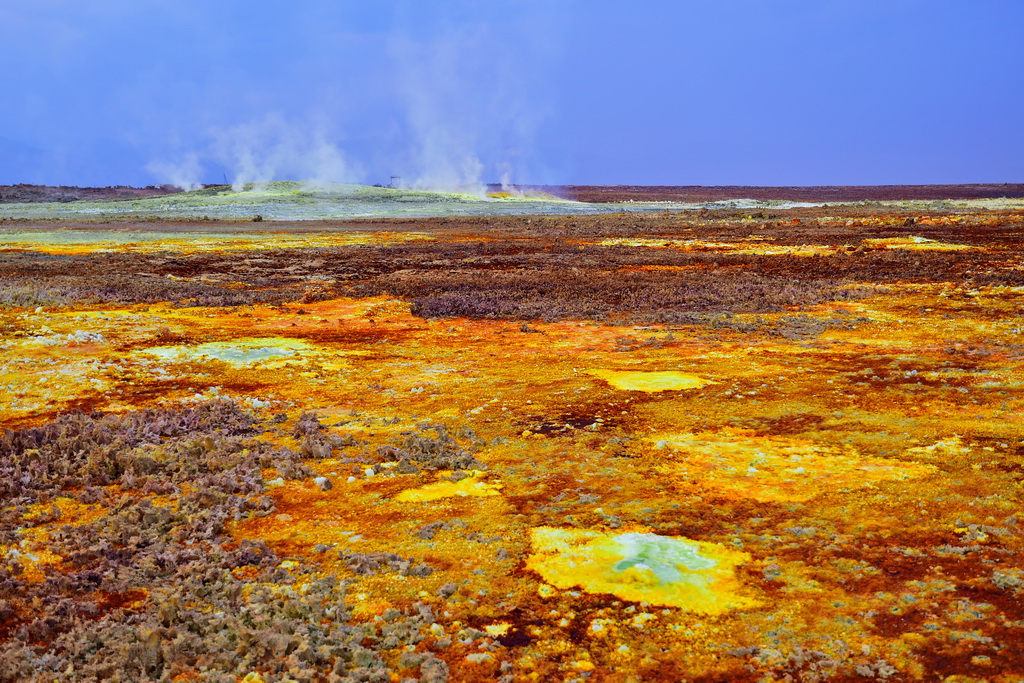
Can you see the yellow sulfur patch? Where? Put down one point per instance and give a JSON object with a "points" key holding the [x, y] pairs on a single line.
{"points": [[915, 243], [31, 553], [527, 195], [689, 245], [72, 512], [650, 381], [660, 570], [73, 242], [31, 550], [472, 485], [499, 629], [685, 245], [776, 469]]}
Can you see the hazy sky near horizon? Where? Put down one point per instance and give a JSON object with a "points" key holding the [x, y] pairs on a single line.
{"points": [[694, 92]]}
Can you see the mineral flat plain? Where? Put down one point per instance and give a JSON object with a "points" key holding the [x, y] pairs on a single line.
{"points": [[624, 443]]}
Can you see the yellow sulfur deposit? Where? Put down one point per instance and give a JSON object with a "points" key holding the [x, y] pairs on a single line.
{"points": [[499, 629], [915, 243], [834, 469], [777, 468], [71, 512], [643, 567], [650, 381], [472, 485]]}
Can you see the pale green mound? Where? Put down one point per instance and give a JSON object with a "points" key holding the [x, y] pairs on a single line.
{"points": [[240, 352], [286, 200], [642, 567], [660, 555]]}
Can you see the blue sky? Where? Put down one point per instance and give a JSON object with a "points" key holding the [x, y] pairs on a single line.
{"points": [[788, 92]]}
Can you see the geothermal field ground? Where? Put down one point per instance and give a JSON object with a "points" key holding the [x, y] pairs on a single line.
{"points": [[361, 434]]}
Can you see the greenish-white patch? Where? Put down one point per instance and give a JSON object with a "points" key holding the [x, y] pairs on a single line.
{"points": [[642, 567], [286, 200], [660, 555], [241, 352]]}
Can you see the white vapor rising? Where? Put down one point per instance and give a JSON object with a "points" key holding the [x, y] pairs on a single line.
{"points": [[186, 174], [452, 104], [471, 99], [444, 123], [271, 149], [261, 151]]}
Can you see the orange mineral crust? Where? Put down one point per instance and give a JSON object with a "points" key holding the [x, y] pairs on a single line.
{"points": [[679, 446]]}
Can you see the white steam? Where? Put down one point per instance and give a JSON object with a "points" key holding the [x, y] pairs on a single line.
{"points": [[273, 149], [471, 101], [261, 151], [444, 124], [458, 103], [506, 180], [186, 174]]}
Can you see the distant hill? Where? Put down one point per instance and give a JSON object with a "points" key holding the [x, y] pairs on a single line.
{"points": [[23, 193]]}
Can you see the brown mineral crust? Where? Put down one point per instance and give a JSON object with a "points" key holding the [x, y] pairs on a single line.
{"points": [[822, 193], [916, 575], [132, 600]]}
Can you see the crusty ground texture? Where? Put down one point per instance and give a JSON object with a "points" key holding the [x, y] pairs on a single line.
{"points": [[697, 446]]}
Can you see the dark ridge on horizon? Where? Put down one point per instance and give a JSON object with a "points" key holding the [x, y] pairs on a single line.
{"points": [[809, 193], [31, 194]]}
